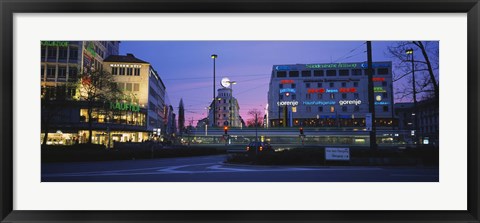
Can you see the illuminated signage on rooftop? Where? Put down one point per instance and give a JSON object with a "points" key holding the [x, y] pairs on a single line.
{"points": [[287, 81], [379, 89], [382, 103], [375, 65], [348, 90], [378, 79], [55, 43], [283, 67], [331, 65]]}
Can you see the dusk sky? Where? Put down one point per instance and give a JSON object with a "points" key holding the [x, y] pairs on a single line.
{"points": [[187, 69]]}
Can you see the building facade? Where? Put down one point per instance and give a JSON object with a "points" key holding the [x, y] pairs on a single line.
{"points": [[329, 95], [227, 109], [141, 114]]}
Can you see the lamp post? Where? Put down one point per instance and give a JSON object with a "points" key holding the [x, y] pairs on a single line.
{"points": [[206, 124], [214, 56], [415, 126], [231, 100]]}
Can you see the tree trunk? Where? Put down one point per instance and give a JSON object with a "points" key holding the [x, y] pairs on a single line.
{"points": [[89, 124], [45, 137]]}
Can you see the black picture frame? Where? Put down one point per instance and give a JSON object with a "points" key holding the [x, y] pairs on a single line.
{"points": [[10, 7]]}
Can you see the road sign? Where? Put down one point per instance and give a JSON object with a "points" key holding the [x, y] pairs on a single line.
{"points": [[337, 153], [368, 121]]}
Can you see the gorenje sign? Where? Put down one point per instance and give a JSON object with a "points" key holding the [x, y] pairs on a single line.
{"points": [[283, 103], [350, 102], [124, 106]]}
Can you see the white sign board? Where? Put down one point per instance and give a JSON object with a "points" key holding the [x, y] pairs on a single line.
{"points": [[368, 121], [337, 153]]}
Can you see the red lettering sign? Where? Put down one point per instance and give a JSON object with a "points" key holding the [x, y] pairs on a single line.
{"points": [[347, 90], [378, 79], [287, 81], [315, 90]]}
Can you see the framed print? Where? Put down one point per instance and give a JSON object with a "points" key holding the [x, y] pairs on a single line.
{"points": [[200, 111]]}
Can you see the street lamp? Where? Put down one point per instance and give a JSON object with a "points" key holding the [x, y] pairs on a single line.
{"points": [[214, 56], [231, 100], [410, 52], [206, 124]]}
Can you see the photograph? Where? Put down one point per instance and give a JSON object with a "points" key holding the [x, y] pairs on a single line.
{"points": [[239, 111]]}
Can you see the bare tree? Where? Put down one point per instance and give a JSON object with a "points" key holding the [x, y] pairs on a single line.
{"points": [[97, 87], [425, 66], [256, 119], [52, 102]]}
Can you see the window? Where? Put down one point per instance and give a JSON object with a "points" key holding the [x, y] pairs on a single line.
{"points": [[356, 108], [355, 84], [356, 95], [356, 72], [224, 108], [136, 87], [129, 71], [331, 84], [73, 54], [344, 84], [331, 73], [280, 85], [306, 73], [52, 53], [137, 72], [121, 86], [307, 85], [318, 73], [294, 96], [128, 87], [385, 108], [344, 96], [344, 108], [122, 71], [224, 101], [332, 96], [344, 72], [320, 109], [62, 53], [281, 74], [384, 83], [319, 84], [293, 73], [319, 96], [385, 95], [42, 71], [280, 97], [366, 72], [224, 115], [308, 96], [114, 70], [294, 85], [332, 108], [62, 72], [309, 109], [50, 72], [382, 71], [43, 52]]}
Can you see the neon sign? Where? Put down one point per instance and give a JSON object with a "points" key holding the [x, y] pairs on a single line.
{"points": [[283, 103], [375, 65], [124, 106], [287, 90], [349, 102], [315, 90], [332, 90], [287, 81], [319, 102], [382, 103], [378, 79], [282, 67], [55, 43], [379, 89], [331, 65], [348, 90]]}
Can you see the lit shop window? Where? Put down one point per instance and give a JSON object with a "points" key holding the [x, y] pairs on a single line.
{"points": [[332, 108]]}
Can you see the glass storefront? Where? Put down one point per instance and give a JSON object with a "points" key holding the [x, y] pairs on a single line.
{"points": [[117, 117]]}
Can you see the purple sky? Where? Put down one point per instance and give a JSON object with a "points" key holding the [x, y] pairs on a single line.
{"points": [[187, 69]]}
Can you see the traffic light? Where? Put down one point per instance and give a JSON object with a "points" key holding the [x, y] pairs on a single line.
{"points": [[225, 129], [301, 131]]}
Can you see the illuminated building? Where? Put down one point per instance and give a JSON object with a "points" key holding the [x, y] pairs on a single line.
{"points": [[143, 112], [328, 95], [227, 107]]}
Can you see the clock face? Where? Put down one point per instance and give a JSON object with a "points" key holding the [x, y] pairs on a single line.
{"points": [[225, 82]]}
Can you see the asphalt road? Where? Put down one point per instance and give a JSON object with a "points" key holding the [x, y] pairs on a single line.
{"points": [[212, 169]]}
